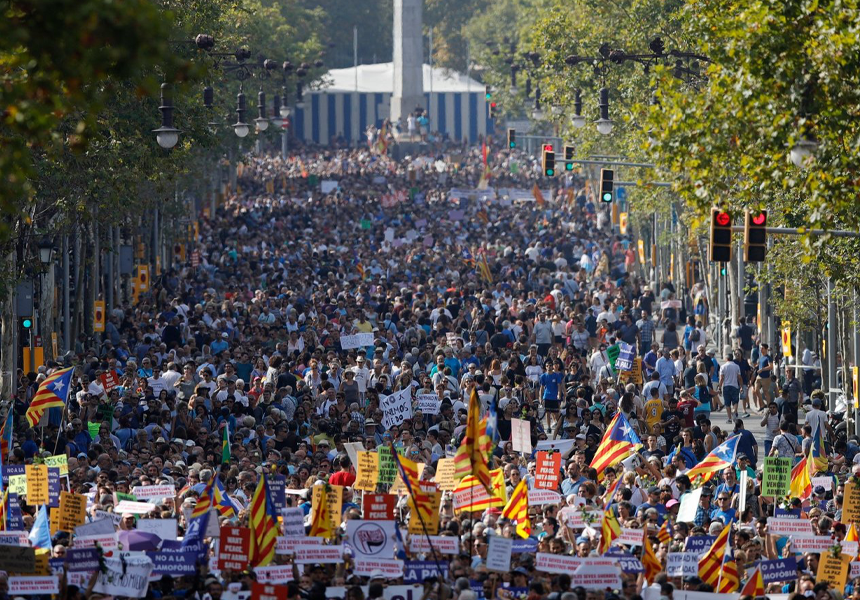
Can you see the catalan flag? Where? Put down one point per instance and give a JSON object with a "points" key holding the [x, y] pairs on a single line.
{"points": [[420, 501], [801, 480], [205, 501], [226, 507], [609, 531], [650, 562], [53, 391], [755, 585], [225, 444], [321, 525], [4, 511], [851, 534], [538, 195], [264, 525], [618, 443], [484, 267], [471, 495], [472, 455], [719, 458], [819, 454], [717, 568], [610, 493], [666, 532], [517, 509], [6, 434]]}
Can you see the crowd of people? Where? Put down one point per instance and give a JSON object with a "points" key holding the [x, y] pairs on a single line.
{"points": [[469, 282]]}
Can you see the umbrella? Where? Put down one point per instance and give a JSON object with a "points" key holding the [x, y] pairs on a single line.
{"points": [[143, 541]]}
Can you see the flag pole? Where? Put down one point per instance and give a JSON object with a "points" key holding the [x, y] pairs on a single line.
{"points": [[60, 430]]}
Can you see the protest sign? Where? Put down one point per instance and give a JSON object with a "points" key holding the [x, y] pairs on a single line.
{"points": [[34, 586], [689, 504], [327, 186], [555, 563], [54, 487], [367, 471], [612, 353], [539, 497], [428, 404], [629, 537], [563, 446], [103, 524], [357, 340], [108, 541], [445, 475], [499, 553], [110, 380], [60, 461], [378, 507], [268, 591], [396, 408], [521, 435], [128, 577], [416, 571], [634, 375], [776, 478], [135, 508], [73, 511], [779, 570], [389, 567], [625, 359], [790, 527], [825, 481], [816, 543], [18, 485], [425, 518], [166, 529], [851, 506], [17, 559], [175, 564], [319, 554], [682, 564], [234, 548], [387, 467], [833, 569], [548, 470], [597, 578], [399, 488], [293, 525], [699, 544], [14, 538], [82, 559], [442, 544], [277, 489], [153, 492], [290, 545], [274, 573], [334, 501], [37, 485], [370, 539]]}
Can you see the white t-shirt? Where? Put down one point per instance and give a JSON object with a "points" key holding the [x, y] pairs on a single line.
{"points": [[730, 373]]}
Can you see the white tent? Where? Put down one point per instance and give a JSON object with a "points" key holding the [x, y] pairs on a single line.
{"points": [[380, 78]]}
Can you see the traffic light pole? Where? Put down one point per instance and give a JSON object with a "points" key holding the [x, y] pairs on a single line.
{"points": [[795, 231]]}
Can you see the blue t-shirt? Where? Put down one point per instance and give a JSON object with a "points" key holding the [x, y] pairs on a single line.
{"points": [[550, 383], [764, 366], [746, 445]]}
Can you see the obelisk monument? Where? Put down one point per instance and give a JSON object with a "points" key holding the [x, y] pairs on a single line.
{"points": [[408, 59]]}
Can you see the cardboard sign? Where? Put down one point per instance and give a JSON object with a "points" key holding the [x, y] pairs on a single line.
{"points": [[370, 539], [499, 554], [387, 467], [37, 484], [445, 475], [833, 569], [776, 478], [424, 518], [234, 548], [521, 435], [378, 507], [396, 408], [851, 506], [428, 404], [34, 586], [634, 375], [443, 544], [390, 568], [367, 471], [17, 559], [790, 527], [682, 564], [334, 501], [548, 470], [268, 591], [73, 511]]}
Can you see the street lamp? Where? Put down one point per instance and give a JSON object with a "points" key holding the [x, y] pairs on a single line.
{"points": [[46, 251], [276, 119], [240, 127], [261, 121], [578, 120], [802, 150], [537, 112], [167, 135], [604, 123]]}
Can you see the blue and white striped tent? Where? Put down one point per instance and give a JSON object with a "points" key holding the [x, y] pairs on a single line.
{"points": [[352, 99]]}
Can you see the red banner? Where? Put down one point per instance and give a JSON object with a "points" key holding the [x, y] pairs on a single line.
{"points": [[547, 470], [378, 507], [234, 548]]}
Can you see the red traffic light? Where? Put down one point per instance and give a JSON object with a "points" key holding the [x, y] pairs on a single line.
{"points": [[760, 219], [547, 147], [723, 219], [492, 104]]}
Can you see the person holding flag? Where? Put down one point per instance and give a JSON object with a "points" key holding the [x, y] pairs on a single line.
{"points": [[718, 459], [52, 392], [619, 441]]}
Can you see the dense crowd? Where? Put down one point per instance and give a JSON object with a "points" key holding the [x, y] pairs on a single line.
{"points": [[470, 282]]}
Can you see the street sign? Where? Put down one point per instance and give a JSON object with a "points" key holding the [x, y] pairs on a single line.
{"points": [[621, 193]]}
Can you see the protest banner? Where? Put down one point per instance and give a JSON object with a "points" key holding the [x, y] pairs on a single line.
{"points": [[555, 563], [356, 340], [416, 571], [34, 586], [319, 554], [234, 548], [175, 564], [378, 507], [37, 484], [445, 475], [521, 435], [268, 591], [682, 564], [790, 527], [73, 511], [135, 508], [776, 477], [153, 492], [428, 522], [107, 541], [334, 501], [779, 570], [699, 544], [387, 467], [428, 404], [851, 505], [166, 529], [626, 357], [290, 545], [14, 538], [526, 545], [396, 408], [626, 561], [499, 553], [597, 578], [82, 559], [367, 471], [629, 537], [442, 544], [685, 595], [370, 539], [833, 569], [390, 568], [539, 497], [293, 522], [128, 577], [274, 573], [17, 559], [612, 353], [816, 543], [60, 461], [548, 470]]}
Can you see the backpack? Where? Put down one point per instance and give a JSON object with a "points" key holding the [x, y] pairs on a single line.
{"points": [[695, 335]]}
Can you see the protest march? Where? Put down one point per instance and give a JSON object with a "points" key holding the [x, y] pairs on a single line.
{"points": [[420, 379]]}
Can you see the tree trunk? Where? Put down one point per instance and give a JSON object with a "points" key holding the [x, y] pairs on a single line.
{"points": [[80, 265], [47, 310], [9, 325]]}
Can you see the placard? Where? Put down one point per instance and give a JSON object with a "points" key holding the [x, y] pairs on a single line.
{"points": [[776, 477], [367, 471], [378, 507], [128, 577], [689, 504], [416, 571], [538, 497], [268, 591], [428, 521], [825, 481], [153, 492], [98, 527], [396, 408], [14, 538], [61, 461], [356, 340], [699, 544], [443, 544], [175, 564], [73, 511], [107, 541], [319, 554], [334, 501], [34, 586], [294, 522], [17, 559], [548, 470], [597, 578], [629, 537], [54, 487], [387, 466], [682, 564], [390, 568], [555, 563], [428, 404], [851, 507], [234, 548], [790, 527], [37, 485], [274, 573], [779, 570], [445, 474], [816, 543], [82, 559], [499, 554], [290, 545], [370, 539], [521, 436], [166, 529], [135, 508], [833, 570]]}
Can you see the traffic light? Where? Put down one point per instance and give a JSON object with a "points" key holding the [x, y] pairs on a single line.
{"points": [[721, 236], [548, 160], [491, 110], [512, 138], [607, 188], [755, 236], [568, 157], [487, 93]]}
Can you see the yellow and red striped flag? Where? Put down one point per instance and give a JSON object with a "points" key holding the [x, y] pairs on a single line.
{"points": [[801, 481], [755, 585], [52, 392], [717, 568], [617, 444], [472, 455], [321, 525], [718, 459], [264, 525], [517, 509], [4, 514], [666, 532], [538, 195], [609, 531], [471, 495], [650, 562]]}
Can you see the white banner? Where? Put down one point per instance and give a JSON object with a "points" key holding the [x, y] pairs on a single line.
{"points": [[682, 564], [396, 408], [294, 522], [14, 538], [129, 577], [274, 573], [357, 340], [521, 435], [34, 586], [689, 504], [443, 544], [319, 554], [787, 527], [630, 537], [370, 539], [597, 578], [390, 567], [499, 553], [428, 404], [135, 508], [153, 492], [163, 528], [106, 541], [291, 545], [538, 497], [816, 543]]}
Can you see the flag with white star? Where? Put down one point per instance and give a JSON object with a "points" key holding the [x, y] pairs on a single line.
{"points": [[53, 391], [619, 441]]}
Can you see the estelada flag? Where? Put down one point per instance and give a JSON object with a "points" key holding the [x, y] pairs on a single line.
{"points": [[264, 525], [52, 392]]}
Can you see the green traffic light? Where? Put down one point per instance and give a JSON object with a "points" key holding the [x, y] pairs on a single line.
{"points": [[550, 172], [513, 144], [607, 197], [568, 166], [723, 271], [27, 323]]}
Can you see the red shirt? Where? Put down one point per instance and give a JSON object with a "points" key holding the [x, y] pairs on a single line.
{"points": [[342, 478], [687, 408]]}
